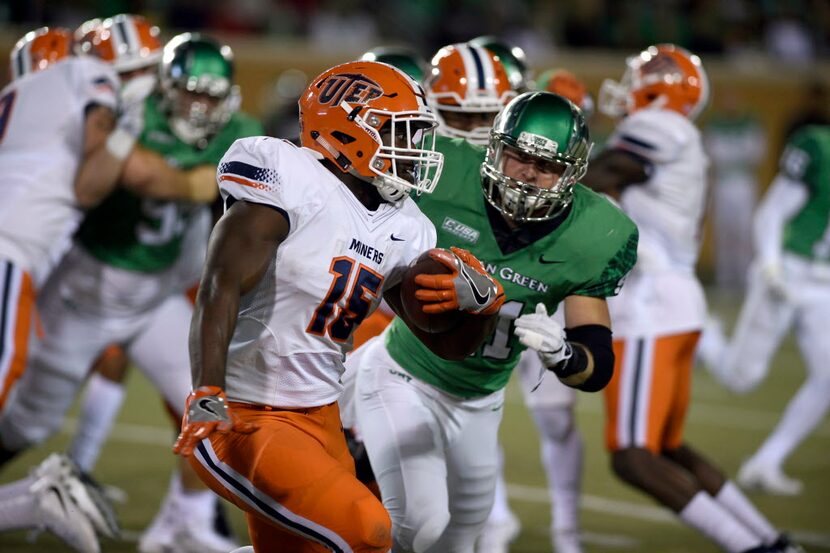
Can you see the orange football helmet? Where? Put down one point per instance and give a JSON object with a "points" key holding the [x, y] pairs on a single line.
{"points": [[372, 121], [39, 49], [665, 76], [128, 42], [466, 78], [568, 85]]}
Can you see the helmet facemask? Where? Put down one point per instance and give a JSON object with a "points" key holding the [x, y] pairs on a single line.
{"points": [[614, 96], [199, 107], [523, 201], [476, 134], [406, 160]]}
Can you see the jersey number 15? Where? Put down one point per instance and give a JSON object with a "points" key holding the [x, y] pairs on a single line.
{"points": [[339, 323]]}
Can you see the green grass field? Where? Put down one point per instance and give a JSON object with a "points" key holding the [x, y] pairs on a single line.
{"points": [[614, 518]]}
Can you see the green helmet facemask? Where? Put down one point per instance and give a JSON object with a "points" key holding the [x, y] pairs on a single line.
{"points": [[538, 127], [196, 78]]}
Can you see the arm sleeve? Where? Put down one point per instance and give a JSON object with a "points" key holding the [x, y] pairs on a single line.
{"points": [[784, 199], [598, 341], [254, 170]]}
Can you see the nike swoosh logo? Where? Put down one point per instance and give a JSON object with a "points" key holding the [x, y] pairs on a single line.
{"points": [[205, 403], [548, 261], [396, 239], [480, 298]]}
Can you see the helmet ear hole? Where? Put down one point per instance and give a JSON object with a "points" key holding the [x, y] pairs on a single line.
{"points": [[342, 137]]}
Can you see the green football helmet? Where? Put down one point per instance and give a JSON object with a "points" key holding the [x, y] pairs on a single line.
{"points": [[196, 80], [537, 127], [513, 58], [405, 59]]}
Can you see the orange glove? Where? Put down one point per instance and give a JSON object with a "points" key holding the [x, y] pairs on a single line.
{"points": [[468, 287], [205, 413]]}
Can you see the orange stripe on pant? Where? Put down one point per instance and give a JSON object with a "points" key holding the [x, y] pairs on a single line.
{"points": [[295, 480], [17, 309], [647, 399]]}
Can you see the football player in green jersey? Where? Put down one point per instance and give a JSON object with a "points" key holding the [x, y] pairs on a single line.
{"points": [[552, 406], [430, 425], [134, 257], [467, 86], [789, 286]]}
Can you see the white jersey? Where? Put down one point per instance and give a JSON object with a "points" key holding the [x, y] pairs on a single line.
{"points": [[662, 294], [295, 326], [42, 118]]}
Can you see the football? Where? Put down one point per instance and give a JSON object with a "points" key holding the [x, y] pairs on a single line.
{"points": [[413, 307]]}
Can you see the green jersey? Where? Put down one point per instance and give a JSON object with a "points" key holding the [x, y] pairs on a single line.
{"points": [[807, 159], [587, 254], [143, 234]]}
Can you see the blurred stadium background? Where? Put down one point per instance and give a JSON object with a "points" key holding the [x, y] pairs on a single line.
{"points": [[768, 65]]}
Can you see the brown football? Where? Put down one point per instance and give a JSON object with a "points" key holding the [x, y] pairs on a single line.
{"points": [[432, 324]]}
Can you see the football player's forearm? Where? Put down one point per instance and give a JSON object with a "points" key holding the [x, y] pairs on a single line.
{"points": [[96, 177], [211, 329], [612, 171], [148, 174]]}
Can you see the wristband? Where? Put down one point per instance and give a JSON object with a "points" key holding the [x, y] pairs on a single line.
{"points": [[120, 143]]}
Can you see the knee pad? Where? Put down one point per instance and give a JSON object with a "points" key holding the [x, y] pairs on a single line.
{"points": [[555, 423], [23, 425], [374, 526], [421, 533], [429, 531]]}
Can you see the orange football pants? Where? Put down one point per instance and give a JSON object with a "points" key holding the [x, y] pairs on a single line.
{"points": [[17, 315], [371, 326], [647, 399], [295, 480]]}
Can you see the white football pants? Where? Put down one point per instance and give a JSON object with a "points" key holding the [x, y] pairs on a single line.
{"points": [[435, 455], [85, 308]]}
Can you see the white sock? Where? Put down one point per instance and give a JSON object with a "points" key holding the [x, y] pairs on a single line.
{"points": [[99, 409], [17, 488], [804, 412], [501, 509], [200, 504], [17, 505], [18, 513], [716, 523], [563, 464], [736, 503]]}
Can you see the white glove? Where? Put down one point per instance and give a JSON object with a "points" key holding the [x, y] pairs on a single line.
{"points": [[132, 96], [542, 333], [773, 275]]}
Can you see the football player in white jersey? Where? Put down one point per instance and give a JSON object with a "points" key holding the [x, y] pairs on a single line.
{"points": [[54, 125], [655, 165], [56, 128], [312, 239], [124, 281]]}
